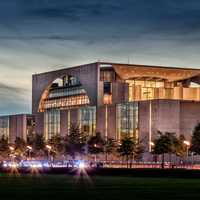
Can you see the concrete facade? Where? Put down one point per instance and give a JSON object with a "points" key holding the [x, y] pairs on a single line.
{"points": [[178, 114], [19, 125]]}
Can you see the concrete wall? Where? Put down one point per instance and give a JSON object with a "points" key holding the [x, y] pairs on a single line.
{"points": [[175, 116], [111, 121], [18, 127], [87, 75], [189, 117]]}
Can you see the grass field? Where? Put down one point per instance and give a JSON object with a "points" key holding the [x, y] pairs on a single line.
{"points": [[98, 187]]}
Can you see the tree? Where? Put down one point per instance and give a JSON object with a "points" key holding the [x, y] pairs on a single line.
{"points": [[195, 146], [39, 142], [75, 141], [181, 149], [57, 144], [138, 152], [127, 148], [4, 147], [20, 146], [165, 143], [109, 147], [96, 144]]}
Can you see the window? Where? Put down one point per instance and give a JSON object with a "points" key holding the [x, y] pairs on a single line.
{"points": [[107, 88], [87, 117], [52, 123], [127, 120], [4, 126], [107, 75]]}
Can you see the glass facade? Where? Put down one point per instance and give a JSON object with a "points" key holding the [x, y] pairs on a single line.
{"points": [[127, 120], [61, 92], [146, 89], [71, 101], [52, 123], [69, 93], [4, 126], [87, 117]]}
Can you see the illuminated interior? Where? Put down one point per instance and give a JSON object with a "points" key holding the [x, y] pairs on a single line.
{"points": [[4, 127], [127, 120], [65, 92], [146, 88], [87, 119]]}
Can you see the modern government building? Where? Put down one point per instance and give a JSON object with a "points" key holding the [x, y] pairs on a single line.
{"points": [[117, 100]]}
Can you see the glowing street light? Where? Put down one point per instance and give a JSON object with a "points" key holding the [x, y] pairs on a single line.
{"points": [[11, 148], [29, 150], [49, 150], [29, 147], [48, 147], [187, 143], [152, 144]]}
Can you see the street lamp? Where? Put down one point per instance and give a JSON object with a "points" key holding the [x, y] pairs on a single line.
{"points": [[187, 143], [107, 99], [152, 144], [11, 152], [49, 150], [29, 148], [11, 148]]}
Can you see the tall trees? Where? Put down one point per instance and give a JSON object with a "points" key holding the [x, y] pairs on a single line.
{"points": [[195, 147], [57, 144], [165, 143], [181, 148], [20, 146], [138, 151], [109, 147], [127, 148], [4, 147], [75, 141], [96, 144]]}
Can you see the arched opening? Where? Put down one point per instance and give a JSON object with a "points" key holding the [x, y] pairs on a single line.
{"points": [[66, 96], [63, 93]]}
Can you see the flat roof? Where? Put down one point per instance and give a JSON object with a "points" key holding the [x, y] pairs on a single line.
{"points": [[131, 71]]}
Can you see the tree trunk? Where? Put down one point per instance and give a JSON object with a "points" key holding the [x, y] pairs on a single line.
{"points": [[170, 160], [163, 161], [131, 160], [127, 160]]}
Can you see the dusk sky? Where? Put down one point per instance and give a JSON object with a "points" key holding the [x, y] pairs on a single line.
{"points": [[41, 35]]}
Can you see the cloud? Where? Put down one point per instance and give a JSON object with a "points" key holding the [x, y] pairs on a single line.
{"points": [[37, 35], [13, 99]]}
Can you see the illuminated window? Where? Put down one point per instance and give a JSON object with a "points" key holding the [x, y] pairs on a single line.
{"points": [[66, 102], [127, 120], [4, 126], [87, 117], [52, 123]]}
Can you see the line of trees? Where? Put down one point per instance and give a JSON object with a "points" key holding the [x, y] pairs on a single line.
{"points": [[75, 144], [78, 143], [169, 143]]}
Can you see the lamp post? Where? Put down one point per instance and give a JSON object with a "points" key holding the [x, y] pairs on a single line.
{"points": [[11, 152], [29, 148], [187, 143], [49, 150], [152, 144], [107, 99]]}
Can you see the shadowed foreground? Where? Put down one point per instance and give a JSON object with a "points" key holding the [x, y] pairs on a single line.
{"points": [[97, 187]]}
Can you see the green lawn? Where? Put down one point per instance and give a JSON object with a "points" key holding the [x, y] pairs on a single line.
{"points": [[66, 187]]}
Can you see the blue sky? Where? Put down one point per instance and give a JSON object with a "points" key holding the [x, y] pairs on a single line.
{"points": [[41, 35]]}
